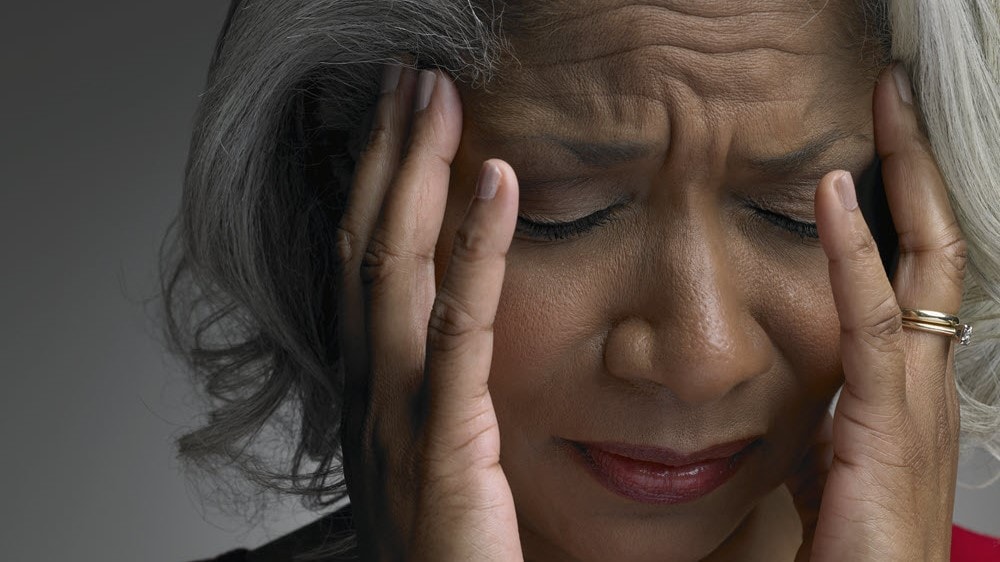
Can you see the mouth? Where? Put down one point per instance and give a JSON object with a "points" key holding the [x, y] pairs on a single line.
{"points": [[660, 476]]}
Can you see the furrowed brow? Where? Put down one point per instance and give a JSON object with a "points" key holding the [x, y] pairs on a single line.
{"points": [[605, 154], [591, 154], [801, 159], [804, 161], [611, 154]]}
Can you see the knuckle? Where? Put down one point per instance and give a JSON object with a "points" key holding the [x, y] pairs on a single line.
{"points": [[442, 160], [470, 444], [863, 249], [946, 260], [452, 322], [425, 142], [380, 138], [378, 261], [883, 325], [423, 151], [956, 253], [472, 244], [917, 155], [347, 242]]}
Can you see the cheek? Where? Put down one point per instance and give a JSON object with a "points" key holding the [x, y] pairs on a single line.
{"points": [[796, 310], [802, 323], [547, 317], [549, 312], [556, 302]]}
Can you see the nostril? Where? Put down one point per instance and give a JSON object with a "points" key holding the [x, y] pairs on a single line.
{"points": [[698, 361]]}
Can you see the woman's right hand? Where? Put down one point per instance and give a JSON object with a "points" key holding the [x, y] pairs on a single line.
{"points": [[420, 437]]}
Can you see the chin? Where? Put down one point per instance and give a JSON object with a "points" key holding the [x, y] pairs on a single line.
{"points": [[631, 540]]}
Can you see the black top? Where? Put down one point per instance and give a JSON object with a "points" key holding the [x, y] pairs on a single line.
{"points": [[322, 532]]}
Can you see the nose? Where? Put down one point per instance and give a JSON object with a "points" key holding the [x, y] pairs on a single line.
{"points": [[691, 329]]}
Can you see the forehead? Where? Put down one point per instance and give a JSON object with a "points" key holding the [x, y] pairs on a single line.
{"points": [[643, 72]]}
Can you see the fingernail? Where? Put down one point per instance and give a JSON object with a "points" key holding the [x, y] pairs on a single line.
{"points": [[903, 83], [488, 182], [425, 87], [390, 77], [845, 188]]}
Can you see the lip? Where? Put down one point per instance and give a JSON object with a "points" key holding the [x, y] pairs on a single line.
{"points": [[660, 476]]}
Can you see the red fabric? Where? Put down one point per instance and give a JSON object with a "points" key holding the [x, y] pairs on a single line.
{"points": [[969, 546]]}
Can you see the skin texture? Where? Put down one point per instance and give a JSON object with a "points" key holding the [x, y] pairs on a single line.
{"points": [[634, 309], [685, 321]]}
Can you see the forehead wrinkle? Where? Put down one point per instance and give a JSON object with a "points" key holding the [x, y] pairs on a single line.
{"points": [[680, 49], [609, 95], [653, 73], [628, 27], [540, 16], [610, 116], [732, 48], [644, 62]]}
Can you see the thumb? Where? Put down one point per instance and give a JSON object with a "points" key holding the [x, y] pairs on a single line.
{"points": [[807, 482]]}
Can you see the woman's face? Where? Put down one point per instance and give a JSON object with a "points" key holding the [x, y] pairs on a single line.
{"points": [[698, 312]]}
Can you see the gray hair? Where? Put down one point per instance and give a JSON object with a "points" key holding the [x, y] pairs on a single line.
{"points": [[249, 268], [953, 52]]}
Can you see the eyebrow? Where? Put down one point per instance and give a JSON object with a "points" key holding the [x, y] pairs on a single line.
{"points": [[610, 154], [604, 154], [804, 157]]}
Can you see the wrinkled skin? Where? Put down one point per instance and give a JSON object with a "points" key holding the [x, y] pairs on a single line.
{"points": [[686, 320]]}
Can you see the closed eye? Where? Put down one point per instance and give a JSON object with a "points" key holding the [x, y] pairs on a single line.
{"points": [[540, 228], [800, 228]]}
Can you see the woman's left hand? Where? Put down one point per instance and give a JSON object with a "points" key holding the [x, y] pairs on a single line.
{"points": [[890, 480]]}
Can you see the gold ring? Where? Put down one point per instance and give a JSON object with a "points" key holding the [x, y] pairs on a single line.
{"points": [[938, 323]]}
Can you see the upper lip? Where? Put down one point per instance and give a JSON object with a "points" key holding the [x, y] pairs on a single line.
{"points": [[670, 457]]}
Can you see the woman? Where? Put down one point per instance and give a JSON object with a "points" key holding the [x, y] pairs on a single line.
{"points": [[644, 226]]}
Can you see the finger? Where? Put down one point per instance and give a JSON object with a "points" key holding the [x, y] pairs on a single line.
{"points": [[871, 339], [373, 172], [807, 483], [460, 331], [932, 250], [397, 270]]}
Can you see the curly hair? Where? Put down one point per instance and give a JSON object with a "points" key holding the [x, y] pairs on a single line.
{"points": [[249, 270]]}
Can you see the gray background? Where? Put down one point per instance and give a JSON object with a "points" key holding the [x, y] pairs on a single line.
{"points": [[95, 111]]}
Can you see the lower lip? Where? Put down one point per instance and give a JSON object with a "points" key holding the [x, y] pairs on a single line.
{"points": [[659, 484]]}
